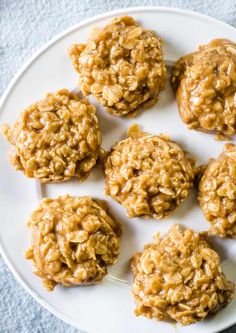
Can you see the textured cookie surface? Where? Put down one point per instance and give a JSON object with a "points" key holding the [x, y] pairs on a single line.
{"points": [[149, 175], [179, 277], [74, 239], [55, 139], [217, 193], [121, 65], [205, 86]]}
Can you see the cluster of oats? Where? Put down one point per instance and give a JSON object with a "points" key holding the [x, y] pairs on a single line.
{"points": [[55, 139], [217, 193], [74, 239], [149, 175], [205, 86], [121, 65], [179, 277]]}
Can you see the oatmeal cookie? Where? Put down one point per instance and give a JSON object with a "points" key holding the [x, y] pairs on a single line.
{"points": [[179, 277], [205, 87], [121, 65], [217, 193], [149, 175], [74, 239], [55, 139]]}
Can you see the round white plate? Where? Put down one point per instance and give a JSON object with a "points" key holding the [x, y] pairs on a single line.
{"points": [[108, 307]]}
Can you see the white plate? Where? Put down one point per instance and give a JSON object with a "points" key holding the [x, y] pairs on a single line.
{"points": [[108, 307]]}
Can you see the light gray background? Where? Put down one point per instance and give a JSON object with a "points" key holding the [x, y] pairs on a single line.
{"points": [[24, 27]]}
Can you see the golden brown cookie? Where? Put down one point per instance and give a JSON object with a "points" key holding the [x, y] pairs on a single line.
{"points": [[179, 277], [55, 139], [205, 87], [121, 65], [74, 239], [217, 193], [149, 175]]}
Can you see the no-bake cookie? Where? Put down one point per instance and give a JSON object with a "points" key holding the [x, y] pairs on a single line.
{"points": [[121, 65], [74, 239], [55, 139], [217, 193], [205, 87], [179, 277], [149, 175]]}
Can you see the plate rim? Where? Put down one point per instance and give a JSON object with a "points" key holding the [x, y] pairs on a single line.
{"points": [[3, 251]]}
